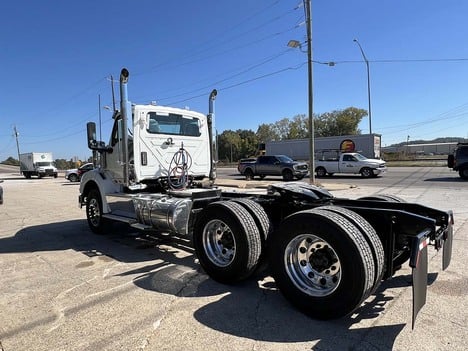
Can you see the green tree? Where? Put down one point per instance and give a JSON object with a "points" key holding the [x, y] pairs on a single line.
{"points": [[282, 128], [339, 122], [298, 127], [229, 145], [249, 143], [11, 161], [266, 132]]}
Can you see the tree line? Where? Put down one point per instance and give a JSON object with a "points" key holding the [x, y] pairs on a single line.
{"points": [[241, 143]]}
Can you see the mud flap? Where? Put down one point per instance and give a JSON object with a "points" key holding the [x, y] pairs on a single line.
{"points": [[447, 248], [418, 262]]}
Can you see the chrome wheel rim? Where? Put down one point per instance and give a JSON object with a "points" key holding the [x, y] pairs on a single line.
{"points": [[219, 243], [312, 265], [94, 214]]}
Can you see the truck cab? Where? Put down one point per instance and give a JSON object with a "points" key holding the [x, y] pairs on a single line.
{"points": [[157, 146], [164, 142]]}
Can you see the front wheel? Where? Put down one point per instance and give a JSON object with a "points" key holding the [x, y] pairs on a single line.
{"points": [[322, 263], [463, 173], [227, 242], [94, 212], [73, 178], [288, 175], [249, 175], [321, 172], [366, 172]]}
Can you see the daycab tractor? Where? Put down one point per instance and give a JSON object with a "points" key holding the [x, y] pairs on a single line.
{"points": [[326, 254]]}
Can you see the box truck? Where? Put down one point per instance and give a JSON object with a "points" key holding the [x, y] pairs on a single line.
{"points": [[38, 164]]}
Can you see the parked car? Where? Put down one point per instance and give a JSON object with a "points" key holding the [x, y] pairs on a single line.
{"points": [[74, 175], [458, 161]]}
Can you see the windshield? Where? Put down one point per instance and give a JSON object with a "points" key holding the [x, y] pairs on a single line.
{"points": [[44, 164], [360, 157], [174, 124], [285, 159]]}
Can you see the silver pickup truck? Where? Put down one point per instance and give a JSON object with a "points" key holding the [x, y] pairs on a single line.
{"points": [[328, 163]]}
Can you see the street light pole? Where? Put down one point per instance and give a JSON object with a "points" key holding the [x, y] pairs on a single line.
{"points": [[368, 84], [307, 7]]}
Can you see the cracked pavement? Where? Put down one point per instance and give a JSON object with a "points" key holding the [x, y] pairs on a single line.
{"points": [[64, 288]]}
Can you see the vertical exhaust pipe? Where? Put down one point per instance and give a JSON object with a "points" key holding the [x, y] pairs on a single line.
{"points": [[125, 107], [213, 145]]}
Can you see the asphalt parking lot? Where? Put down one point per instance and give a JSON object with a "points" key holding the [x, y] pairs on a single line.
{"points": [[64, 288]]}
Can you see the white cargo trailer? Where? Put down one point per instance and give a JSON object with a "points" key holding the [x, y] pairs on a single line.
{"points": [[298, 149]]}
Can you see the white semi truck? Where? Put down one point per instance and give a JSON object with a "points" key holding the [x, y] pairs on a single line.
{"points": [[326, 254], [39, 164]]}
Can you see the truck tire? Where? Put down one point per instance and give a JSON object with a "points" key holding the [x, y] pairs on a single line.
{"points": [[27, 175], [258, 214], [366, 172], [321, 172], [96, 222], [369, 234], [263, 224], [287, 175], [405, 253], [321, 263], [463, 173], [450, 161], [249, 174], [227, 242]]}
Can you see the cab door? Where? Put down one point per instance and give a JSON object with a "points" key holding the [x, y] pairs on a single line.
{"points": [[349, 164], [114, 158]]}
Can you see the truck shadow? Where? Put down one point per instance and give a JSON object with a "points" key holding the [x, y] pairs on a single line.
{"points": [[454, 179], [253, 309], [120, 242]]}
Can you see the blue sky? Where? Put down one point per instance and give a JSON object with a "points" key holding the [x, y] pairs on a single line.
{"points": [[57, 57]]}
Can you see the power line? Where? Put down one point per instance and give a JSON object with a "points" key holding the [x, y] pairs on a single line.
{"points": [[402, 60]]}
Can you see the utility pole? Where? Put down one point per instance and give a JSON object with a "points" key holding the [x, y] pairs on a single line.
{"points": [[17, 145], [307, 9]]}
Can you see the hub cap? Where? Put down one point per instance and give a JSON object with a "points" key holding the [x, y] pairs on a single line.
{"points": [[94, 214], [219, 243], [312, 265]]}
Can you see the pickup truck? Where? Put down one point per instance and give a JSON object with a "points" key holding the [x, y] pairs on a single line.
{"points": [[274, 165], [328, 163], [458, 161]]}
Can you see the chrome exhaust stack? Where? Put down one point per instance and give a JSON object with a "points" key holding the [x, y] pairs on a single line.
{"points": [[125, 107]]}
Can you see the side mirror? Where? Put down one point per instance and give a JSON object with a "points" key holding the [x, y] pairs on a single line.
{"points": [[93, 144], [91, 129]]}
